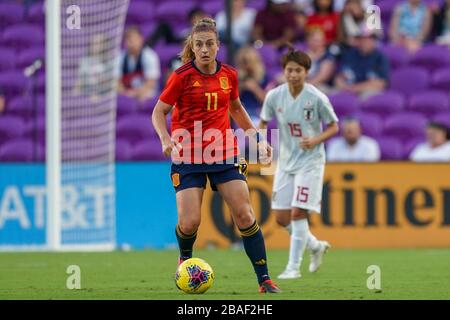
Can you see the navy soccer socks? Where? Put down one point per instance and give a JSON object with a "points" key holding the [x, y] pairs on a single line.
{"points": [[185, 243], [255, 248]]}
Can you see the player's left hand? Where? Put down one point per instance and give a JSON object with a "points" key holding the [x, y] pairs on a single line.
{"points": [[265, 152], [307, 143]]}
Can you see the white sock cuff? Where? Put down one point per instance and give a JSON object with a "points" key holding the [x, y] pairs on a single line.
{"points": [[300, 227]]}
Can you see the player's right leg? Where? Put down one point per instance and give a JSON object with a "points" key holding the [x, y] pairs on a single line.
{"points": [[189, 187], [283, 189], [189, 216]]}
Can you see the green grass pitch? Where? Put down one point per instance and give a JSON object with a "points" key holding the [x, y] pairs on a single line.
{"points": [[148, 274]]}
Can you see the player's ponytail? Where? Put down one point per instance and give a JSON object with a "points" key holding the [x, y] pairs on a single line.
{"points": [[296, 56], [203, 25]]}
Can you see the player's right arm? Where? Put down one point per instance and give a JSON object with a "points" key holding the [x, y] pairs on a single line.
{"points": [[166, 101], [267, 111], [159, 123]]}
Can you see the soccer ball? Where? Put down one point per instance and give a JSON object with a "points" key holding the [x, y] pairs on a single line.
{"points": [[194, 276]]}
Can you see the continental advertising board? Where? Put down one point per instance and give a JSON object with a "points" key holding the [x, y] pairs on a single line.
{"points": [[363, 206]]}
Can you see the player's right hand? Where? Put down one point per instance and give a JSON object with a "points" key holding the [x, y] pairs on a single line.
{"points": [[169, 146], [265, 152]]}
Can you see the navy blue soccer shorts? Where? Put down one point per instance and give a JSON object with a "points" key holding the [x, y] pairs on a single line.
{"points": [[186, 176]]}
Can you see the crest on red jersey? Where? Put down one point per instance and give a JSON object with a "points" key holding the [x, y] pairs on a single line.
{"points": [[224, 83]]}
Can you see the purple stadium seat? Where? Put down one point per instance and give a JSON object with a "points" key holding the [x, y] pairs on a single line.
{"points": [[7, 58], [222, 54], [146, 107], [134, 128], [167, 52], [175, 11], [405, 125], [36, 13], [273, 72], [431, 57], [23, 106], [11, 127], [23, 36], [28, 56], [344, 103], [396, 54], [35, 130], [10, 13], [384, 103], [401, 80], [371, 124], [442, 117], [41, 82], [269, 56], [149, 149], [213, 7], [148, 28], [441, 80], [387, 8], [390, 148], [429, 102], [140, 12], [409, 146], [20, 150], [126, 105], [13, 82], [256, 4], [123, 150]]}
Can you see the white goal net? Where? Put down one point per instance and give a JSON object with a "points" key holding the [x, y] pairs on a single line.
{"points": [[90, 37]]}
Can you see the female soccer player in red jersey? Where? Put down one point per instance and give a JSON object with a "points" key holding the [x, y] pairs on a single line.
{"points": [[202, 92]]}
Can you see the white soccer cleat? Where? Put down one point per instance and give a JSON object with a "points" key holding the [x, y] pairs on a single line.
{"points": [[317, 256], [289, 274]]}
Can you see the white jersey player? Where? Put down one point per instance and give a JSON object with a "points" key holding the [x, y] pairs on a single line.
{"points": [[299, 109]]}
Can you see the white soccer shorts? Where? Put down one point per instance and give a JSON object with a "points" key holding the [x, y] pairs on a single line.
{"points": [[301, 190]]}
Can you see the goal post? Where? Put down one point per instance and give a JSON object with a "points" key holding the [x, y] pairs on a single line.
{"points": [[53, 123], [83, 40]]}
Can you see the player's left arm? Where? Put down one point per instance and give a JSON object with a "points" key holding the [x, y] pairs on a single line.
{"points": [[310, 142], [327, 115], [240, 115]]}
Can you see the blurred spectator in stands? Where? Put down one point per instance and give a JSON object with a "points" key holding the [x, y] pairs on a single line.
{"points": [[93, 70], [307, 7], [410, 24], [242, 20], [139, 67], [164, 29], [2, 101], [323, 64], [252, 79], [437, 146], [351, 22], [275, 25], [325, 18], [441, 24], [364, 69], [353, 146]]}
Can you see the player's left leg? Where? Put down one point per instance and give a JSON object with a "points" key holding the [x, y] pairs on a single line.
{"points": [[236, 195], [307, 198]]}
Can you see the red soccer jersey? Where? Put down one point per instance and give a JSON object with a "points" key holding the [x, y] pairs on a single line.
{"points": [[201, 112]]}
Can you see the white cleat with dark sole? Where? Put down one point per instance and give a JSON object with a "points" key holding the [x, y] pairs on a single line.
{"points": [[289, 274], [317, 256]]}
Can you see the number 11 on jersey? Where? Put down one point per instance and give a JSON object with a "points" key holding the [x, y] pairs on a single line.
{"points": [[214, 95]]}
